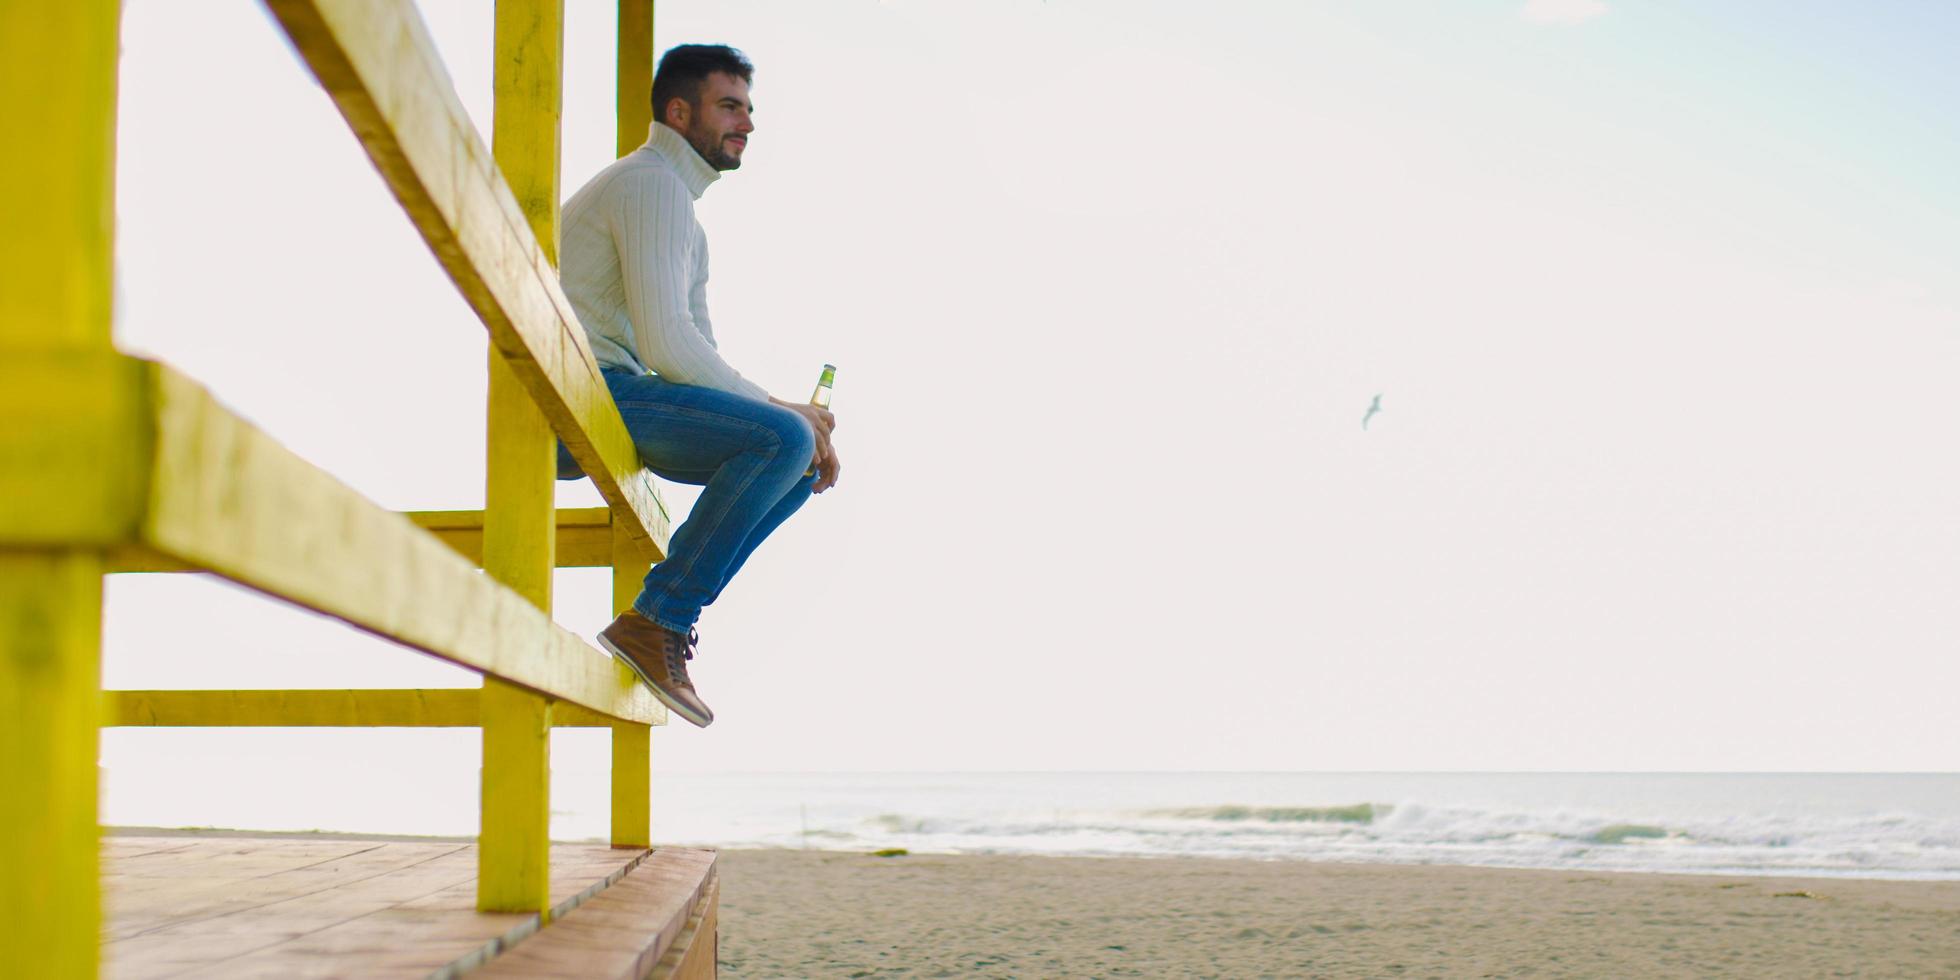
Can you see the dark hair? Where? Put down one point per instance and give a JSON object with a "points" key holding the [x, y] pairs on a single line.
{"points": [[684, 67]]}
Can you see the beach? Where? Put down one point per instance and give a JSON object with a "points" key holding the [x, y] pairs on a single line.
{"points": [[789, 913]]}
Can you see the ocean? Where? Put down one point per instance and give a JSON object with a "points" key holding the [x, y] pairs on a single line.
{"points": [[1879, 825], [1868, 826]]}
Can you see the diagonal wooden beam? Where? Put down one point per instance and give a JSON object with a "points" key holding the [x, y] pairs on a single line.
{"points": [[377, 62], [229, 498]]}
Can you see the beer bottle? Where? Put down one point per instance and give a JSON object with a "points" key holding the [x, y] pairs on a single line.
{"points": [[821, 397]]}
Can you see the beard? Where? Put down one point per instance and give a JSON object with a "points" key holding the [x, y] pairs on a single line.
{"points": [[709, 145]]}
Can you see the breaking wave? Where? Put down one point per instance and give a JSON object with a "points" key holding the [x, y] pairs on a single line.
{"points": [[1357, 813], [1894, 846]]}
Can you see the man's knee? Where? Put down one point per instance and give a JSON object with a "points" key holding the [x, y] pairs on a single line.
{"points": [[793, 432]]}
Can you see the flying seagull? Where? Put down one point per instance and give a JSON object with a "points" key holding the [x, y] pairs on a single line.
{"points": [[1372, 410]]}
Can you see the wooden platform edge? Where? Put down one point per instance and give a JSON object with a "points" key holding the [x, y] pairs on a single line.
{"points": [[659, 920], [485, 953], [689, 959]]}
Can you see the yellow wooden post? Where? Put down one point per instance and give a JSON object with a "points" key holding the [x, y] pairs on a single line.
{"points": [[57, 219], [50, 649], [632, 744], [635, 91], [519, 525]]}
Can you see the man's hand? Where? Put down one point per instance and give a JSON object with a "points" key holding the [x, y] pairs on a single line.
{"points": [[824, 461], [828, 467]]}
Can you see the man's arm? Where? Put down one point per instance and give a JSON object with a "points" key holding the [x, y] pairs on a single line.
{"points": [[653, 229]]}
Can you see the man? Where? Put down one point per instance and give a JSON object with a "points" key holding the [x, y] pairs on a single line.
{"points": [[634, 262]]}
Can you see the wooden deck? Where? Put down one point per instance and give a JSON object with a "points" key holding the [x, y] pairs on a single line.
{"points": [[253, 905]]}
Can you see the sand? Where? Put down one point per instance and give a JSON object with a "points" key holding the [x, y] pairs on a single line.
{"points": [[820, 914]]}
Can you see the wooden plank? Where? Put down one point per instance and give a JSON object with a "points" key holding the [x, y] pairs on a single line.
{"points": [[244, 888], [584, 534], [263, 905], [50, 653], [133, 557], [231, 499], [697, 950], [565, 714], [626, 931], [584, 540], [372, 708], [584, 520], [634, 92], [376, 60], [431, 708]]}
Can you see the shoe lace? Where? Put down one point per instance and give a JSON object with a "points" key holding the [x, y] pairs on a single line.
{"points": [[685, 648]]}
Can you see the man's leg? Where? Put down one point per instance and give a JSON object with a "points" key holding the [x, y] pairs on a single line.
{"points": [[753, 455], [792, 502]]}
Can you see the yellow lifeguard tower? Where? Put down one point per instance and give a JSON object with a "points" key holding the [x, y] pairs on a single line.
{"points": [[113, 464]]}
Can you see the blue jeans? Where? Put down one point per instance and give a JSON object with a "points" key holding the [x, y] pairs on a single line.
{"points": [[748, 456]]}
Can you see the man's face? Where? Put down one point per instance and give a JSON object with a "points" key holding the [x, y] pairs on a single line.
{"points": [[718, 125]]}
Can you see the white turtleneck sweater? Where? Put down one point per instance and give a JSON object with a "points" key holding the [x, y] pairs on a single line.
{"points": [[634, 263]]}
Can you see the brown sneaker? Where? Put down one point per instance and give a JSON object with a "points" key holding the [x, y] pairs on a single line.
{"points": [[659, 655]]}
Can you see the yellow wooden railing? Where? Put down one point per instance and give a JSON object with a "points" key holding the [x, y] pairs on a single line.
{"points": [[111, 463]]}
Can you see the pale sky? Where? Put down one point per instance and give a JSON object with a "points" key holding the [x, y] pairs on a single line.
{"points": [[1660, 298]]}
